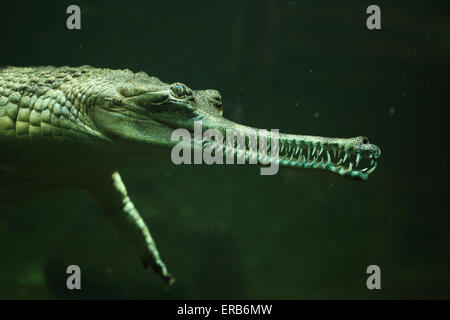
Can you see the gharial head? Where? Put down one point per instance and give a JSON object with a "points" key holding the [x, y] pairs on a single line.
{"points": [[140, 109]]}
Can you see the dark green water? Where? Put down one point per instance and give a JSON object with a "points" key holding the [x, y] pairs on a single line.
{"points": [[225, 231]]}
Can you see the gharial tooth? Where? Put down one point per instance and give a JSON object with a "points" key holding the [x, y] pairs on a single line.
{"points": [[350, 167], [314, 149], [358, 158], [345, 156], [320, 150], [328, 157], [293, 154], [372, 169], [371, 162]]}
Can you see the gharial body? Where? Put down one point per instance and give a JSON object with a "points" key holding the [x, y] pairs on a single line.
{"points": [[75, 127]]}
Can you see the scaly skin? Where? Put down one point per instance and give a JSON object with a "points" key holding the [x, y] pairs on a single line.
{"points": [[75, 127]]}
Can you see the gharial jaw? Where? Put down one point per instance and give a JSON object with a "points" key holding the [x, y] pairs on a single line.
{"points": [[353, 158]]}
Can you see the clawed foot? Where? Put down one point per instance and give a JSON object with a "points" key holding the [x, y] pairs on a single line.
{"points": [[160, 268]]}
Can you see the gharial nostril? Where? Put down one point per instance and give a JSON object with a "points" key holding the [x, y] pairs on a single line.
{"points": [[217, 101], [217, 98], [214, 94]]}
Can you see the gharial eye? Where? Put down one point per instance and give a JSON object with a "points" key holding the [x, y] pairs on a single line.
{"points": [[179, 90]]}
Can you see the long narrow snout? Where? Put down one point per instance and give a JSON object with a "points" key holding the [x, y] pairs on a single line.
{"points": [[355, 158]]}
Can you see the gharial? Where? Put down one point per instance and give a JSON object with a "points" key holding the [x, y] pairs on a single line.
{"points": [[74, 127]]}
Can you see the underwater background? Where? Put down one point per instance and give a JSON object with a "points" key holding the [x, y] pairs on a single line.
{"points": [[306, 67]]}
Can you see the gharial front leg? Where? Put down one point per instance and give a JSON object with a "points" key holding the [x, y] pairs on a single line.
{"points": [[112, 195]]}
